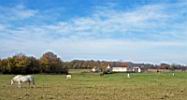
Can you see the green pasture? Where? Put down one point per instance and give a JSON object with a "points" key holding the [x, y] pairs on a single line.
{"points": [[92, 86]]}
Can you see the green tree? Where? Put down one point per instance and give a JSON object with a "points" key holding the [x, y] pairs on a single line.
{"points": [[34, 66]]}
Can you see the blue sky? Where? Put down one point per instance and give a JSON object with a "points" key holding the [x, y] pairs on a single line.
{"points": [[150, 31]]}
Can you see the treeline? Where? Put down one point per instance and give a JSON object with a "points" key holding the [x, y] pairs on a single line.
{"points": [[166, 66], [22, 64], [51, 63], [88, 64]]}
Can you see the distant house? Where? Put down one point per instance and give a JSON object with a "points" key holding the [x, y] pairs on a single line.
{"points": [[126, 68], [119, 69]]}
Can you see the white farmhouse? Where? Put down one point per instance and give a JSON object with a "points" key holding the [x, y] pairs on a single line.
{"points": [[119, 69], [126, 68]]}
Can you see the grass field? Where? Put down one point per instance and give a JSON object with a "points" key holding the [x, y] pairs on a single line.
{"points": [[90, 86]]}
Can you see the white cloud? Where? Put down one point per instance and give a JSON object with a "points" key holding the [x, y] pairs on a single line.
{"points": [[106, 23], [94, 35], [2, 27], [18, 12], [21, 12]]}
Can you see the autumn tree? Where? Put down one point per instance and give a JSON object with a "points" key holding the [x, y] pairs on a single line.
{"points": [[21, 62], [6, 65], [50, 63]]}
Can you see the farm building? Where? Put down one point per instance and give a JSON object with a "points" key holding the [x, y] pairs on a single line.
{"points": [[126, 67], [119, 69]]}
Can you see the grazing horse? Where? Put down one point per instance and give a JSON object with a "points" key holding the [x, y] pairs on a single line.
{"points": [[22, 79], [68, 76]]}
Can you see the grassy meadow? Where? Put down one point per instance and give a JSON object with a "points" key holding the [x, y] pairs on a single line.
{"points": [[92, 86]]}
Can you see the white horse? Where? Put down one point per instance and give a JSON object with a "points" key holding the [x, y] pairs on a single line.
{"points": [[128, 75], [23, 79], [173, 74], [68, 76]]}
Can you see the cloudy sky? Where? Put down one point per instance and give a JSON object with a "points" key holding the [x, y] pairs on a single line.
{"points": [[151, 31]]}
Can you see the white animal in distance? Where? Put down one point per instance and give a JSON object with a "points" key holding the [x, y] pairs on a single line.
{"points": [[173, 74], [19, 79], [128, 75], [68, 76]]}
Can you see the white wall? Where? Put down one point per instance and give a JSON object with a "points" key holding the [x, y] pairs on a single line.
{"points": [[119, 69]]}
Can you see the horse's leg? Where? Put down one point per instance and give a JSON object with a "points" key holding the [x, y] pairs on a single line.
{"points": [[29, 81], [33, 83], [19, 84]]}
